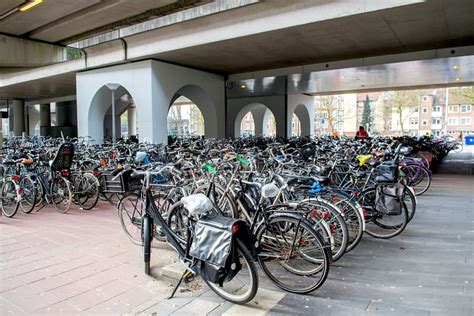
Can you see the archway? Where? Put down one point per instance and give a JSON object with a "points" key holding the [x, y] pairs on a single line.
{"points": [[301, 121], [247, 125], [100, 114], [204, 110], [257, 115], [295, 126], [185, 119]]}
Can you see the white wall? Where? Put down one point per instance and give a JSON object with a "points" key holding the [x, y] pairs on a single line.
{"points": [[153, 86], [237, 108]]}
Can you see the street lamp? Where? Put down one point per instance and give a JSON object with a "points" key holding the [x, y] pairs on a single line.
{"points": [[112, 87]]}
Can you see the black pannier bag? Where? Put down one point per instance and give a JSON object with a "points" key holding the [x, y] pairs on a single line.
{"points": [[389, 198], [214, 243], [386, 173]]}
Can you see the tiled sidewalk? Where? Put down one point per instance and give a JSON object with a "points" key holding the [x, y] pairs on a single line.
{"points": [[69, 263]]}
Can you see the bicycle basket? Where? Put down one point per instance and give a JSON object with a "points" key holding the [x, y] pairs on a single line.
{"points": [[214, 245], [63, 158], [388, 199], [386, 173]]}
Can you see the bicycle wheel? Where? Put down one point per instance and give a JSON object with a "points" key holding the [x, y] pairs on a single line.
{"points": [[130, 213], [39, 190], [423, 183], [147, 236], [88, 191], [60, 194], [353, 218], [243, 287], [324, 211], [9, 198], [378, 224], [296, 259], [27, 195], [409, 198]]}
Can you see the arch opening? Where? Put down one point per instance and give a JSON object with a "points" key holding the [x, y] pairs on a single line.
{"points": [[300, 122], [255, 119], [202, 115], [100, 114], [185, 119]]}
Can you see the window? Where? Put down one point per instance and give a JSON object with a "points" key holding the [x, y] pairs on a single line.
{"points": [[436, 121], [453, 121], [453, 108], [465, 121], [414, 121], [436, 108], [424, 122], [465, 108], [414, 109], [424, 110], [424, 98]]}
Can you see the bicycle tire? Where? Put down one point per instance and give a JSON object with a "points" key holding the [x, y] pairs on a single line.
{"points": [[131, 201], [27, 195], [367, 199], [252, 282], [147, 237], [61, 195], [89, 183], [319, 267], [9, 198]]}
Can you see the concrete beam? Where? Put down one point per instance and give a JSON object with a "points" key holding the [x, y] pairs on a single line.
{"points": [[19, 52]]}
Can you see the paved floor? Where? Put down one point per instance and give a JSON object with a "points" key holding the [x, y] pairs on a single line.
{"points": [[81, 262]]}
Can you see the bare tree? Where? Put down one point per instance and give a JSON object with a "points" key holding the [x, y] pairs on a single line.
{"points": [[328, 104], [402, 103], [466, 93], [174, 115]]}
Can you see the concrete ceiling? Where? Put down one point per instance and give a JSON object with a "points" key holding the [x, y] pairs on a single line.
{"points": [[452, 71], [425, 26], [49, 87], [56, 20], [430, 25]]}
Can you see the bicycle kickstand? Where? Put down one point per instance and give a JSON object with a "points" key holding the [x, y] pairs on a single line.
{"points": [[186, 274]]}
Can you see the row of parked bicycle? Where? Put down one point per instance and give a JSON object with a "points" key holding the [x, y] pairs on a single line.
{"points": [[294, 206]]}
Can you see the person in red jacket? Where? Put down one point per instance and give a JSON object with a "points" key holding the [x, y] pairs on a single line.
{"points": [[361, 133]]}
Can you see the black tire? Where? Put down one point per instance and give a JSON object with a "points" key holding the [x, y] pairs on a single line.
{"points": [[88, 191], [353, 218], [336, 226], [248, 271], [61, 195], [130, 211], [147, 237], [9, 198], [273, 244], [28, 195], [376, 222]]}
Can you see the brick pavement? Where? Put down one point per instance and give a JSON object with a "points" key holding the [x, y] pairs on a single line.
{"points": [[82, 263]]}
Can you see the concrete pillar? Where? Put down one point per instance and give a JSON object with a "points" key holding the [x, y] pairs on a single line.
{"points": [[303, 107], [258, 119], [45, 119], [64, 114], [66, 119], [132, 121], [17, 117]]}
